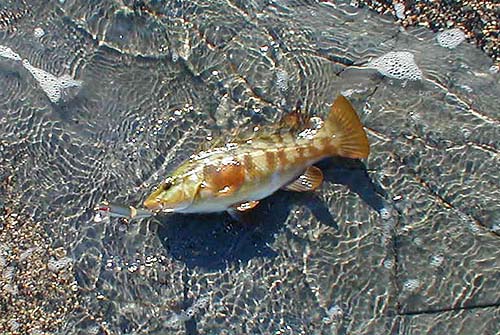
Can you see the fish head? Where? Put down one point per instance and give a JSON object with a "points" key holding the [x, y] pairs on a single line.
{"points": [[174, 194]]}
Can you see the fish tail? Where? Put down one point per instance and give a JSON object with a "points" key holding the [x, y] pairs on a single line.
{"points": [[342, 133]]}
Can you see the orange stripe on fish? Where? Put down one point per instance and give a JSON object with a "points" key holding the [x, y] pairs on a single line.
{"points": [[270, 160], [225, 179], [282, 157]]}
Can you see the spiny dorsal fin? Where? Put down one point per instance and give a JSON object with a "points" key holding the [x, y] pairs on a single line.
{"points": [[294, 121], [345, 132], [308, 181]]}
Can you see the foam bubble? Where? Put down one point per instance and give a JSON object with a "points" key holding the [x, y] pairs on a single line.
{"points": [[388, 264], [496, 228], [333, 314], [8, 273], [282, 80], [450, 38], [184, 51], [14, 325], [93, 329], [385, 213], [190, 312], [101, 216], [398, 65], [437, 260], [175, 56], [56, 265], [11, 289], [399, 8], [52, 86], [411, 285], [38, 32], [201, 303], [27, 253], [316, 122], [7, 52]]}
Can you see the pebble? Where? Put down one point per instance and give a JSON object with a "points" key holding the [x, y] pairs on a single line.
{"points": [[39, 298]]}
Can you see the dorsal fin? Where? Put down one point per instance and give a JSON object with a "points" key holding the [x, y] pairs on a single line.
{"points": [[295, 120]]}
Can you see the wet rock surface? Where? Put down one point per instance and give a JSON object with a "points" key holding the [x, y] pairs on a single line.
{"points": [[404, 243]]}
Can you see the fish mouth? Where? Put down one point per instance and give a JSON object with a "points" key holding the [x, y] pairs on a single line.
{"points": [[155, 205]]}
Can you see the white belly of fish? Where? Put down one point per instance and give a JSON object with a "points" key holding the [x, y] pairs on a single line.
{"points": [[221, 204]]}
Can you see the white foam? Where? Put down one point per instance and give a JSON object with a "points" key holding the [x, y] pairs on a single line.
{"points": [[398, 65], [175, 56], [27, 253], [437, 260], [282, 80], [385, 213], [14, 325], [496, 228], [56, 265], [52, 86], [388, 264], [8, 273], [450, 38], [7, 52], [38, 32], [399, 8], [93, 330], [411, 285], [333, 314]]}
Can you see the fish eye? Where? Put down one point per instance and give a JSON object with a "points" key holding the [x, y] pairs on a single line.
{"points": [[167, 184]]}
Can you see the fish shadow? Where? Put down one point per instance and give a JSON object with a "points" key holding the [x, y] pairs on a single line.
{"points": [[213, 241], [353, 174]]}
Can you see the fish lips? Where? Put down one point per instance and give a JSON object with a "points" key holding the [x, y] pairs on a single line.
{"points": [[156, 205]]}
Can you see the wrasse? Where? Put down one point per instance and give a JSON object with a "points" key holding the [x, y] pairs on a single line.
{"points": [[236, 176]]}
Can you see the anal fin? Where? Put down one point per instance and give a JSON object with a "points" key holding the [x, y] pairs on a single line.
{"points": [[246, 206], [310, 180]]}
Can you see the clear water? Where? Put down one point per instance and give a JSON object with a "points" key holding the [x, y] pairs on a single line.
{"points": [[404, 243]]}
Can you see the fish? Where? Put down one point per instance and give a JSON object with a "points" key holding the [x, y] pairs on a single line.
{"points": [[236, 176]]}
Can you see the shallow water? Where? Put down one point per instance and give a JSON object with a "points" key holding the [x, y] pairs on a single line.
{"points": [[383, 247]]}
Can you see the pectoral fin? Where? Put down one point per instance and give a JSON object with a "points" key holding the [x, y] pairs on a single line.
{"points": [[246, 206], [308, 181]]}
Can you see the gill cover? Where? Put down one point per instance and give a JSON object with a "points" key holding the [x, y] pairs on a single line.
{"points": [[173, 195]]}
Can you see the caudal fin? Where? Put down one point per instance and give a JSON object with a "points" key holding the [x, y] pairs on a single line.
{"points": [[344, 131]]}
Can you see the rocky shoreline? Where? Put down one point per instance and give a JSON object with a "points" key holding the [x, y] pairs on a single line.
{"points": [[37, 282], [477, 19]]}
